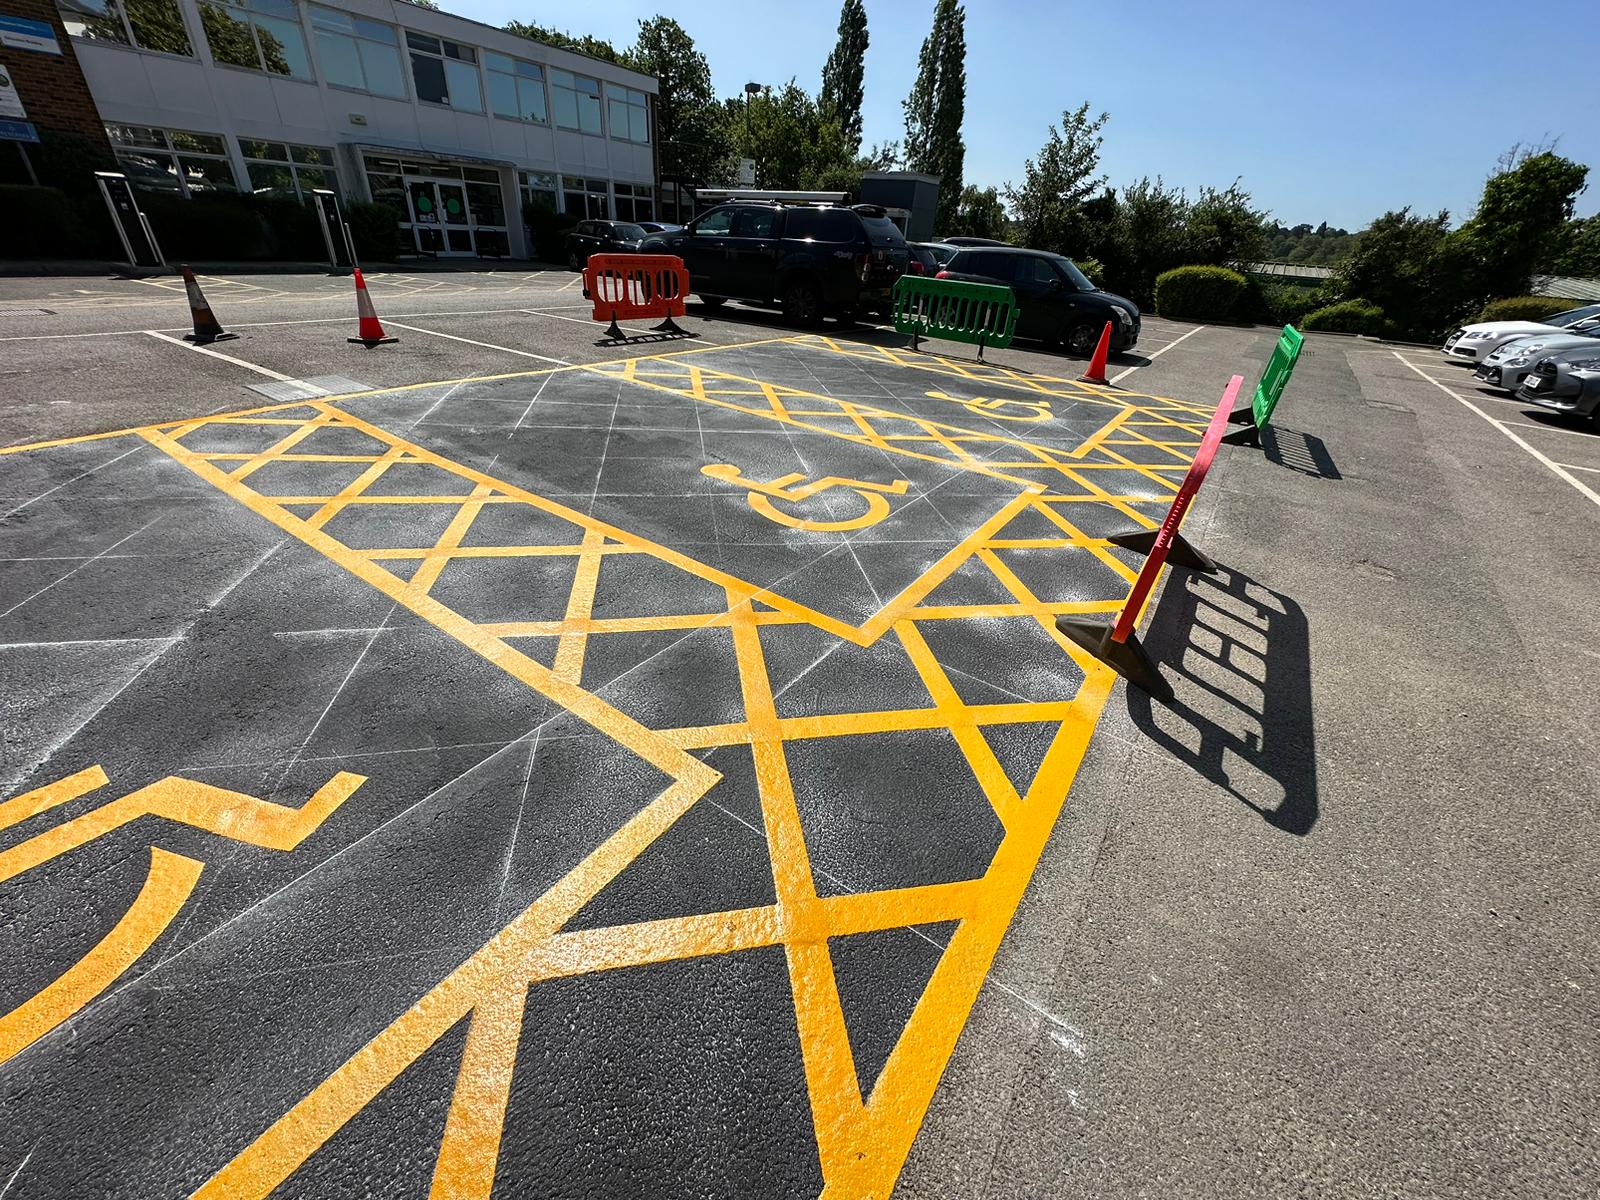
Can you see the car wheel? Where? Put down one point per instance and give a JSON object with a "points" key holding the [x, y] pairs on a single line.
{"points": [[712, 301], [574, 263], [801, 304], [1080, 338]]}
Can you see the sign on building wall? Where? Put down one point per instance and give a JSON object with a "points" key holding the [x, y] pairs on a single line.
{"points": [[19, 33], [10, 102]]}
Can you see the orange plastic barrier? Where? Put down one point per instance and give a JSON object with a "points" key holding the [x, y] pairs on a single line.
{"points": [[629, 286]]}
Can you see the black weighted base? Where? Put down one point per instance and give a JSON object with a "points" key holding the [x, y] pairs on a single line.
{"points": [[1128, 659], [205, 339], [1250, 435], [1243, 416], [369, 343], [1182, 552], [668, 326], [614, 331]]}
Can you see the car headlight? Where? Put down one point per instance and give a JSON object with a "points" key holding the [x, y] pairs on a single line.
{"points": [[1123, 318], [1479, 336], [1588, 364], [1520, 361]]}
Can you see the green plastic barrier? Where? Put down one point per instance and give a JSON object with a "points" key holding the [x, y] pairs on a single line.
{"points": [[1273, 380], [981, 314]]}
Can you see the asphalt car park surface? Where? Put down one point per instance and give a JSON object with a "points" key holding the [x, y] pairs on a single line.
{"points": [[528, 766]]}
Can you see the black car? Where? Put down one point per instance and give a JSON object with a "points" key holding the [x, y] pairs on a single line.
{"points": [[601, 237], [1057, 302], [658, 226], [932, 256], [972, 241], [812, 260]]}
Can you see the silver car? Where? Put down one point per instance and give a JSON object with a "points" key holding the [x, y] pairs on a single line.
{"points": [[1507, 366], [1474, 343], [1568, 382]]}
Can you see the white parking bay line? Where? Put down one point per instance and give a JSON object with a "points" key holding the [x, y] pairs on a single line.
{"points": [[207, 350], [486, 345], [1576, 467], [1504, 427], [534, 312], [1156, 354], [1593, 440]]}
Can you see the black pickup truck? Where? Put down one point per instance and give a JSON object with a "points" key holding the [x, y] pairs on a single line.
{"points": [[811, 260]]}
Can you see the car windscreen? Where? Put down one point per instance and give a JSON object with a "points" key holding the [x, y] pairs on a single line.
{"points": [[1079, 279], [941, 252], [1572, 316], [883, 232], [628, 233]]}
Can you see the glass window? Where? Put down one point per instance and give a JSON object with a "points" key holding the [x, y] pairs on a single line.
{"points": [[172, 160], [576, 99], [538, 189], [445, 72], [277, 169], [754, 222], [484, 201], [261, 35], [148, 24], [715, 223], [629, 114], [516, 88], [358, 53], [1043, 272], [635, 202]]}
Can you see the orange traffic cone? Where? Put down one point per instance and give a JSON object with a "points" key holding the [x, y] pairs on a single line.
{"points": [[207, 328], [369, 332], [1097, 365]]}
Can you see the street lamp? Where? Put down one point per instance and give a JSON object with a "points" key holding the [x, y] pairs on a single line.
{"points": [[750, 89]]}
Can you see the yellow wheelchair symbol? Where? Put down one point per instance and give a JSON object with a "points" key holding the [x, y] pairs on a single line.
{"points": [[168, 883], [793, 489], [1033, 410]]}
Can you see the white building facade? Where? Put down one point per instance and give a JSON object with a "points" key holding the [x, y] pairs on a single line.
{"points": [[453, 123]]}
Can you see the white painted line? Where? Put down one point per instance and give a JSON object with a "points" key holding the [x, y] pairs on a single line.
{"points": [[1576, 467], [1555, 467], [486, 345], [1593, 440], [428, 316], [238, 362], [1156, 354]]}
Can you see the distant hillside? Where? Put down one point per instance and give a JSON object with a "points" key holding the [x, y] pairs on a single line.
{"points": [[1317, 246]]}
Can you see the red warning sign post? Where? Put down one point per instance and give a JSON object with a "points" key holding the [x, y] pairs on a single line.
{"points": [[1116, 645]]}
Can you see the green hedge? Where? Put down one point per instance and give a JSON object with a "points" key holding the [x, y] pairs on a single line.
{"points": [[1347, 316], [375, 229], [1198, 293], [1523, 308], [46, 223]]}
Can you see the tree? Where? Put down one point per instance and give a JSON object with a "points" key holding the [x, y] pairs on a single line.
{"points": [[689, 127], [1398, 264], [592, 46], [1577, 250], [980, 213], [793, 144], [1058, 181], [1147, 238], [1223, 230], [1519, 223], [936, 106], [842, 74]]}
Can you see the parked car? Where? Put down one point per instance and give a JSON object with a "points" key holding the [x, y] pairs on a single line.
{"points": [[1568, 382], [657, 226], [1057, 302], [812, 260], [1506, 367], [601, 237], [972, 241], [943, 251], [1474, 343], [923, 260]]}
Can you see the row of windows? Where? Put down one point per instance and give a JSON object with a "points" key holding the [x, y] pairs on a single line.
{"points": [[174, 160], [354, 52]]}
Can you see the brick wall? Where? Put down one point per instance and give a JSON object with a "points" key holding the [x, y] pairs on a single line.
{"points": [[72, 138]]}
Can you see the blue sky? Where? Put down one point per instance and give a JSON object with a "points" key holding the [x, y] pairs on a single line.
{"points": [[1333, 111]]}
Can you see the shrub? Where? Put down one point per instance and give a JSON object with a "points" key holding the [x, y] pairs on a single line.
{"points": [[294, 233], [1347, 316], [213, 226], [1198, 293], [548, 230], [1523, 308], [1094, 269], [1287, 304], [43, 222], [375, 229]]}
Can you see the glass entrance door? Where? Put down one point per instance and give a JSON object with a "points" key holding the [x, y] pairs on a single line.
{"points": [[440, 221]]}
